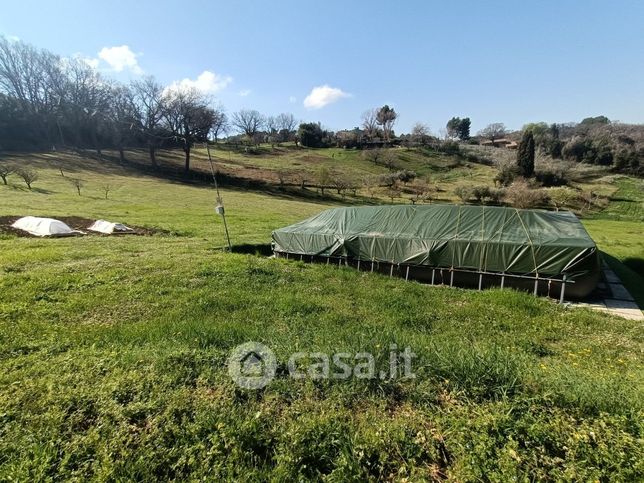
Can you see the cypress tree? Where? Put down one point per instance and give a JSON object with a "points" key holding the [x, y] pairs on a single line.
{"points": [[525, 155]]}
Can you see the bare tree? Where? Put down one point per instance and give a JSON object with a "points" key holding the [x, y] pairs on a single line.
{"points": [[420, 191], [6, 170], [373, 155], [124, 116], [301, 178], [106, 188], [393, 192], [86, 99], [282, 177], [286, 127], [33, 77], [340, 183], [148, 100], [28, 175], [370, 183], [370, 123], [420, 133], [389, 160], [324, 178], [220, 124], [270, 124], [188, 118], [493, 131], [76, 183], [248, 122], [386, 118]]}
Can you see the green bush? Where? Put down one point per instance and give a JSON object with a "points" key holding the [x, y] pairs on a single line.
{"points": [[551, 177], [507, 174]]}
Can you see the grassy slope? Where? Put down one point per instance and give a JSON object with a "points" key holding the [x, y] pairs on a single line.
{"points": [[113, 350], [447, 172], [619, 231]]}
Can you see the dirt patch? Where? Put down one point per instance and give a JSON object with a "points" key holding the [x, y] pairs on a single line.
{"points": [[75, 222], [313, 158]]}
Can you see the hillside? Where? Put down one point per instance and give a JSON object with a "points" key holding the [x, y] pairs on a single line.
{"points": [[113, 350]]}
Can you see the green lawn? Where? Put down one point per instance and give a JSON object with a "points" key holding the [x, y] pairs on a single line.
{"points": [[113, 355], [619, 231]]}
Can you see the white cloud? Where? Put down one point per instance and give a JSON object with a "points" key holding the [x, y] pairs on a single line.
{"points": [[91, 61], [207, 82], [292, 99], [120, 58], [321, 96], [244, 92]]}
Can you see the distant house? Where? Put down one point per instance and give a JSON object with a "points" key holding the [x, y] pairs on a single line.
{"points": [[500, 143]]}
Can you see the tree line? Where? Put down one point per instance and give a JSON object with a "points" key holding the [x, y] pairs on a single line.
{"points": [[48, 101]]}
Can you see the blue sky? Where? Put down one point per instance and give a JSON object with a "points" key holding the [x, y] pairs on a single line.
{"points": [[510, 62]]}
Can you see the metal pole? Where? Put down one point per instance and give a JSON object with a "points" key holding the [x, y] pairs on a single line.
{"points": [[358, 264], [407, 273], [372, 266], [433, 273], [536, 285], [480, 280], [391, 270], [502, 279], [219, 200], [451, 277], [563, 289]]}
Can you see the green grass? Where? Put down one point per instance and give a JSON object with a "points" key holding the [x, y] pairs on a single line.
{"points": [[619, 231], [113, 356]]}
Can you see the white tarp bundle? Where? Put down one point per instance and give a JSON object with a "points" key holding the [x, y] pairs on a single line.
{"points": [[44, 226], [109, 228]]}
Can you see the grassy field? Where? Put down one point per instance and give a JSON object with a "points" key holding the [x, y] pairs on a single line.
{"points": [[268, 164], [113, 353], [619, 231]]}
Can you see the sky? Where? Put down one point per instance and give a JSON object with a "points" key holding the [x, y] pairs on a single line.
{"points": [[509, 62]]}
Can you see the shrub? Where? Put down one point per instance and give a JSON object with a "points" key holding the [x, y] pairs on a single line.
{"points": [[449, 147], [406, 175], [628, 161], [464, 193], [521, 195], [552, 175], [507, 174], [388, 179], [561, 197], [482, 194]]}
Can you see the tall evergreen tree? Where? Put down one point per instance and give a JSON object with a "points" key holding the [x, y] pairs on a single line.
{"points": [[525, 155], [464, 129]]}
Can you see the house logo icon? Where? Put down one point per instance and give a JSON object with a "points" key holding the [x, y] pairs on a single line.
{"points": [[252, 365]]}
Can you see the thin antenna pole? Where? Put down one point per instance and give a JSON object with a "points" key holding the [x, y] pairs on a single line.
{"points": [[219, 200]]}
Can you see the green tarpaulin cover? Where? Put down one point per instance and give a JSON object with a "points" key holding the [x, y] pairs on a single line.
{"points": [[494, 239]]}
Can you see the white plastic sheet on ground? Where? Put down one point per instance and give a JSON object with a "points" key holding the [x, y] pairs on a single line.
{"points": [[108, 227], [44, 226]]}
